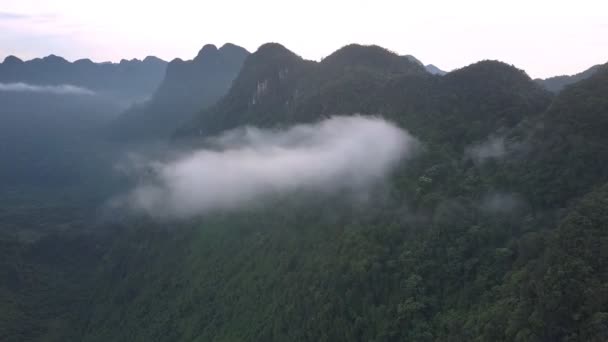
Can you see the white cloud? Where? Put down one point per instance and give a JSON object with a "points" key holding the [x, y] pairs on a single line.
{"points": [[493, 148], [248, 164], [62, 89]]}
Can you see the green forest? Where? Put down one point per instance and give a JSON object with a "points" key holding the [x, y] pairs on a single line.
{"points": [[455, 245]]}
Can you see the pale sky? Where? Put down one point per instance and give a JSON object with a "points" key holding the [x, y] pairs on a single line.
{"points": [[544, 37]]}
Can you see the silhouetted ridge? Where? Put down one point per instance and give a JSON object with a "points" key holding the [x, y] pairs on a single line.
{"points": [[490, 71], [83, 61], [55, 59], [373, 57], [153, 59], [12, 60], [206, 50]]}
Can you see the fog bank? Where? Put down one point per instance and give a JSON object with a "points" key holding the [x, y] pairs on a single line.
{"points": [[248, 164], [62, 89]]}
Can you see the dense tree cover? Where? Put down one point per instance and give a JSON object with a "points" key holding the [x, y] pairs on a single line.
{"points": [[46, 280], [570, 145], [456, 245]]}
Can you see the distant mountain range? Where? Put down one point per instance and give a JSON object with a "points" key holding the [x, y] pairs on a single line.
{"points": [[126, 81], [276, 87], [187, 87]]}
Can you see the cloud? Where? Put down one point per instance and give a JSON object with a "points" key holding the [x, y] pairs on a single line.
{"points": [[493, 148], [499, 202], [249, 164], [62, 89]]}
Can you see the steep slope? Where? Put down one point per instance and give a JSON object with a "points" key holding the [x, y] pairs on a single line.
{"points": [[126, 81], [188, 87]]}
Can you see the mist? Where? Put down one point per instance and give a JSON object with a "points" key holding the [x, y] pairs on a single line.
{"points": [[492, 148], [249, 164], [62, 89], [502, 202]]}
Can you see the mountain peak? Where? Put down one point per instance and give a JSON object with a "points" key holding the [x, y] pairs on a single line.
{"points": [[374, 57], [491, 70], [55, 59], [207, 49], [152, 59], [233, 49], [230, 46], [12, 60], [273, 49], [84, 61], [272, 54]]}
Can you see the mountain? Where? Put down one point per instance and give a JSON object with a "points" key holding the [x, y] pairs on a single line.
{"points": [[570, 142], [187, 87], [452, 250], [277, 87], [558, 83], [429, 67], [435, 70], [494, 230], [127, 81]]}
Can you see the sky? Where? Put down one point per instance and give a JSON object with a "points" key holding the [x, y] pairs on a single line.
{"points": [[543, 37]]}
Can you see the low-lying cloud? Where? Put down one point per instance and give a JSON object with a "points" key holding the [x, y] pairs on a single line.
{"points": [[246, 165], [493, 148], [502, 202], [62, 89]]}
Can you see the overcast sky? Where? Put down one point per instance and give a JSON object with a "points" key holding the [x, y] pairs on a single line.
{"points": [[543, 37]]}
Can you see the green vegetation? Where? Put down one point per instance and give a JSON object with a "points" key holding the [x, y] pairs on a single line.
{"points": [[505, 246]]}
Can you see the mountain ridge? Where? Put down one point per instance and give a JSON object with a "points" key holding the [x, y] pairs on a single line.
{"points": [[187, 86], [126, 81]]}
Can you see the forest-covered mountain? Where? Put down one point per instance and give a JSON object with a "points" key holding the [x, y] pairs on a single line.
{"points": [[556, 84], [276, 87], [494, 230], [187, 87], [127, 81]]}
